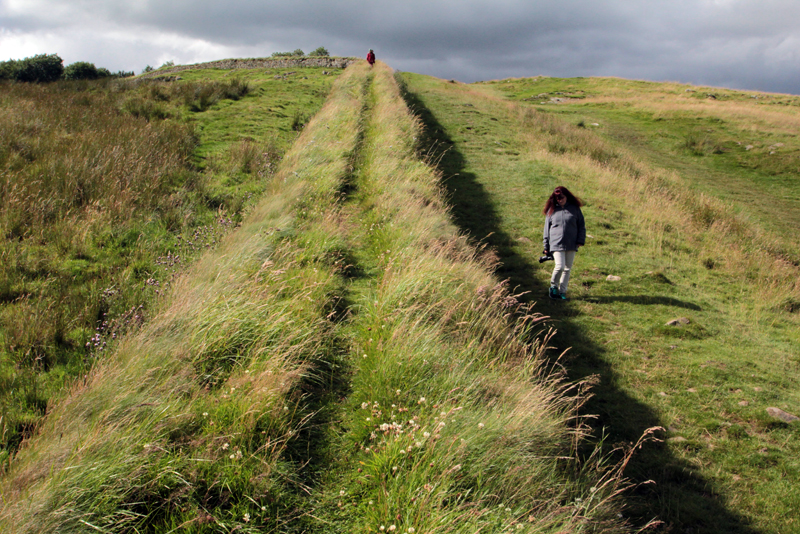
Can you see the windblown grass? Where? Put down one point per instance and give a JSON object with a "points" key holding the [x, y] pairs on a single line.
{"points": [[452, 423], [345, 360], [110, 189], [187, 425], [690, 234]]}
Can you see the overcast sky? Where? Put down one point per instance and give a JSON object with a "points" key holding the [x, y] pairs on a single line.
{"points": [[743, 44]]}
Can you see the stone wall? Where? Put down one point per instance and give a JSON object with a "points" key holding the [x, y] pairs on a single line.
{"points": [[258, 63]]}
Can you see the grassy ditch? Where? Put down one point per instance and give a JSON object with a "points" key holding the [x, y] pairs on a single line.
{"points": [[344, 361], [110, 189], [669, 224]]}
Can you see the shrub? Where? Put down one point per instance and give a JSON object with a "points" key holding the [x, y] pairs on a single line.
{"points": [[297, 52], [235, 89], [81, 70], [321, 51], [299, 120], [40, 68]]}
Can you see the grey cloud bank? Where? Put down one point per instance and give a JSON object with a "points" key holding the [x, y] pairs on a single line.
{"points": [[744, 44]]}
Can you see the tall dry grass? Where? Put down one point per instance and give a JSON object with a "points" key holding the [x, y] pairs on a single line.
{"points": [[68, 155], [187, 425]]}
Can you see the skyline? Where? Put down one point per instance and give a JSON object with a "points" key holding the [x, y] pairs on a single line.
{"points": [[739, 44]]}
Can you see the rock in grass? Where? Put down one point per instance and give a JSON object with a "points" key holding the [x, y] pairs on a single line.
{"points": [[786, 417], [613, 278], [679, 321]]}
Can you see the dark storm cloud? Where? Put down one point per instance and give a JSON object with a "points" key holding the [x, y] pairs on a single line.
{"points": [[753, 44]]}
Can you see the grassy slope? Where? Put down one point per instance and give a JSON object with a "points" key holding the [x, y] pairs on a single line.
{"points": [[666, 214], [344, 361], [104, 246]]}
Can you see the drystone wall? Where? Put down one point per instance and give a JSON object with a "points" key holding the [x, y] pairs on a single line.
{"points": [[257, 63]]}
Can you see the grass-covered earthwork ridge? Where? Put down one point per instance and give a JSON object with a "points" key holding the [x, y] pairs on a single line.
{"points": [[109, 189], [343, 361], [692, 206]]}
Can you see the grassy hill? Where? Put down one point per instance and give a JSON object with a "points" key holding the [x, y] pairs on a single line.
{"points": [[691, 195], [110, 189], [344, 329], [344, 360]]}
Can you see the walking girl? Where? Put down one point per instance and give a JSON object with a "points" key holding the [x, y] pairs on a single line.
{"points": [[564, 233]]}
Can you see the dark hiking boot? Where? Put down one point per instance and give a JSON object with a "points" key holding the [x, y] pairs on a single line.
{"points": [[554, 294]]}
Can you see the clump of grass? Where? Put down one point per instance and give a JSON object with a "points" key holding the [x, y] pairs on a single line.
{"points": [[145, 109], [299, 120], [200, 97], [700, 145]]}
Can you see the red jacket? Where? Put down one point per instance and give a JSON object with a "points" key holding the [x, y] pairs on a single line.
{"points": [[370, 58]]}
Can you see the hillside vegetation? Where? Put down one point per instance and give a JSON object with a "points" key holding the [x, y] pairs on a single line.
{"points": [[110, 188], [692, 199], [345, 360], [287, 320]]}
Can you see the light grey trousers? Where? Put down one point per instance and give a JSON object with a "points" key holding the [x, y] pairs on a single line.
{"points": [[564, 260]]}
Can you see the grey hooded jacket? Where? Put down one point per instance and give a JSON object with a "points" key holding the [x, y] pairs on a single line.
{"points": [[564, 229]]}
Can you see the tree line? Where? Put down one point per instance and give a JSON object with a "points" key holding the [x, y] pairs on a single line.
{"points": [[50, 68]]}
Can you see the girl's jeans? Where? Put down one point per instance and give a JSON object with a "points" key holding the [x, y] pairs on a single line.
{"points": [[560, 278]]}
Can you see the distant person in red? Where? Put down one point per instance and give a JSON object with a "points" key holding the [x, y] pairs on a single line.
{"points": [[371, 57]]}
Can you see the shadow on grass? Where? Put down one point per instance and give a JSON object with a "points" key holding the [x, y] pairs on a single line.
{"points": [[647, 300], [680, 497]]}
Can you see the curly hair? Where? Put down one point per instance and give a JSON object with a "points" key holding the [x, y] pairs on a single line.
{"points": [[552, 202]]}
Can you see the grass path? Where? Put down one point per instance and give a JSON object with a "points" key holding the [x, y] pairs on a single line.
{"points": [[726, 465]]}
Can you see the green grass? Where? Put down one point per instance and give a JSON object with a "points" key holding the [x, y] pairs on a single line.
{"points": [[111, 188], [665, 220], [344, 361], [737, 148], [370, 348]]}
